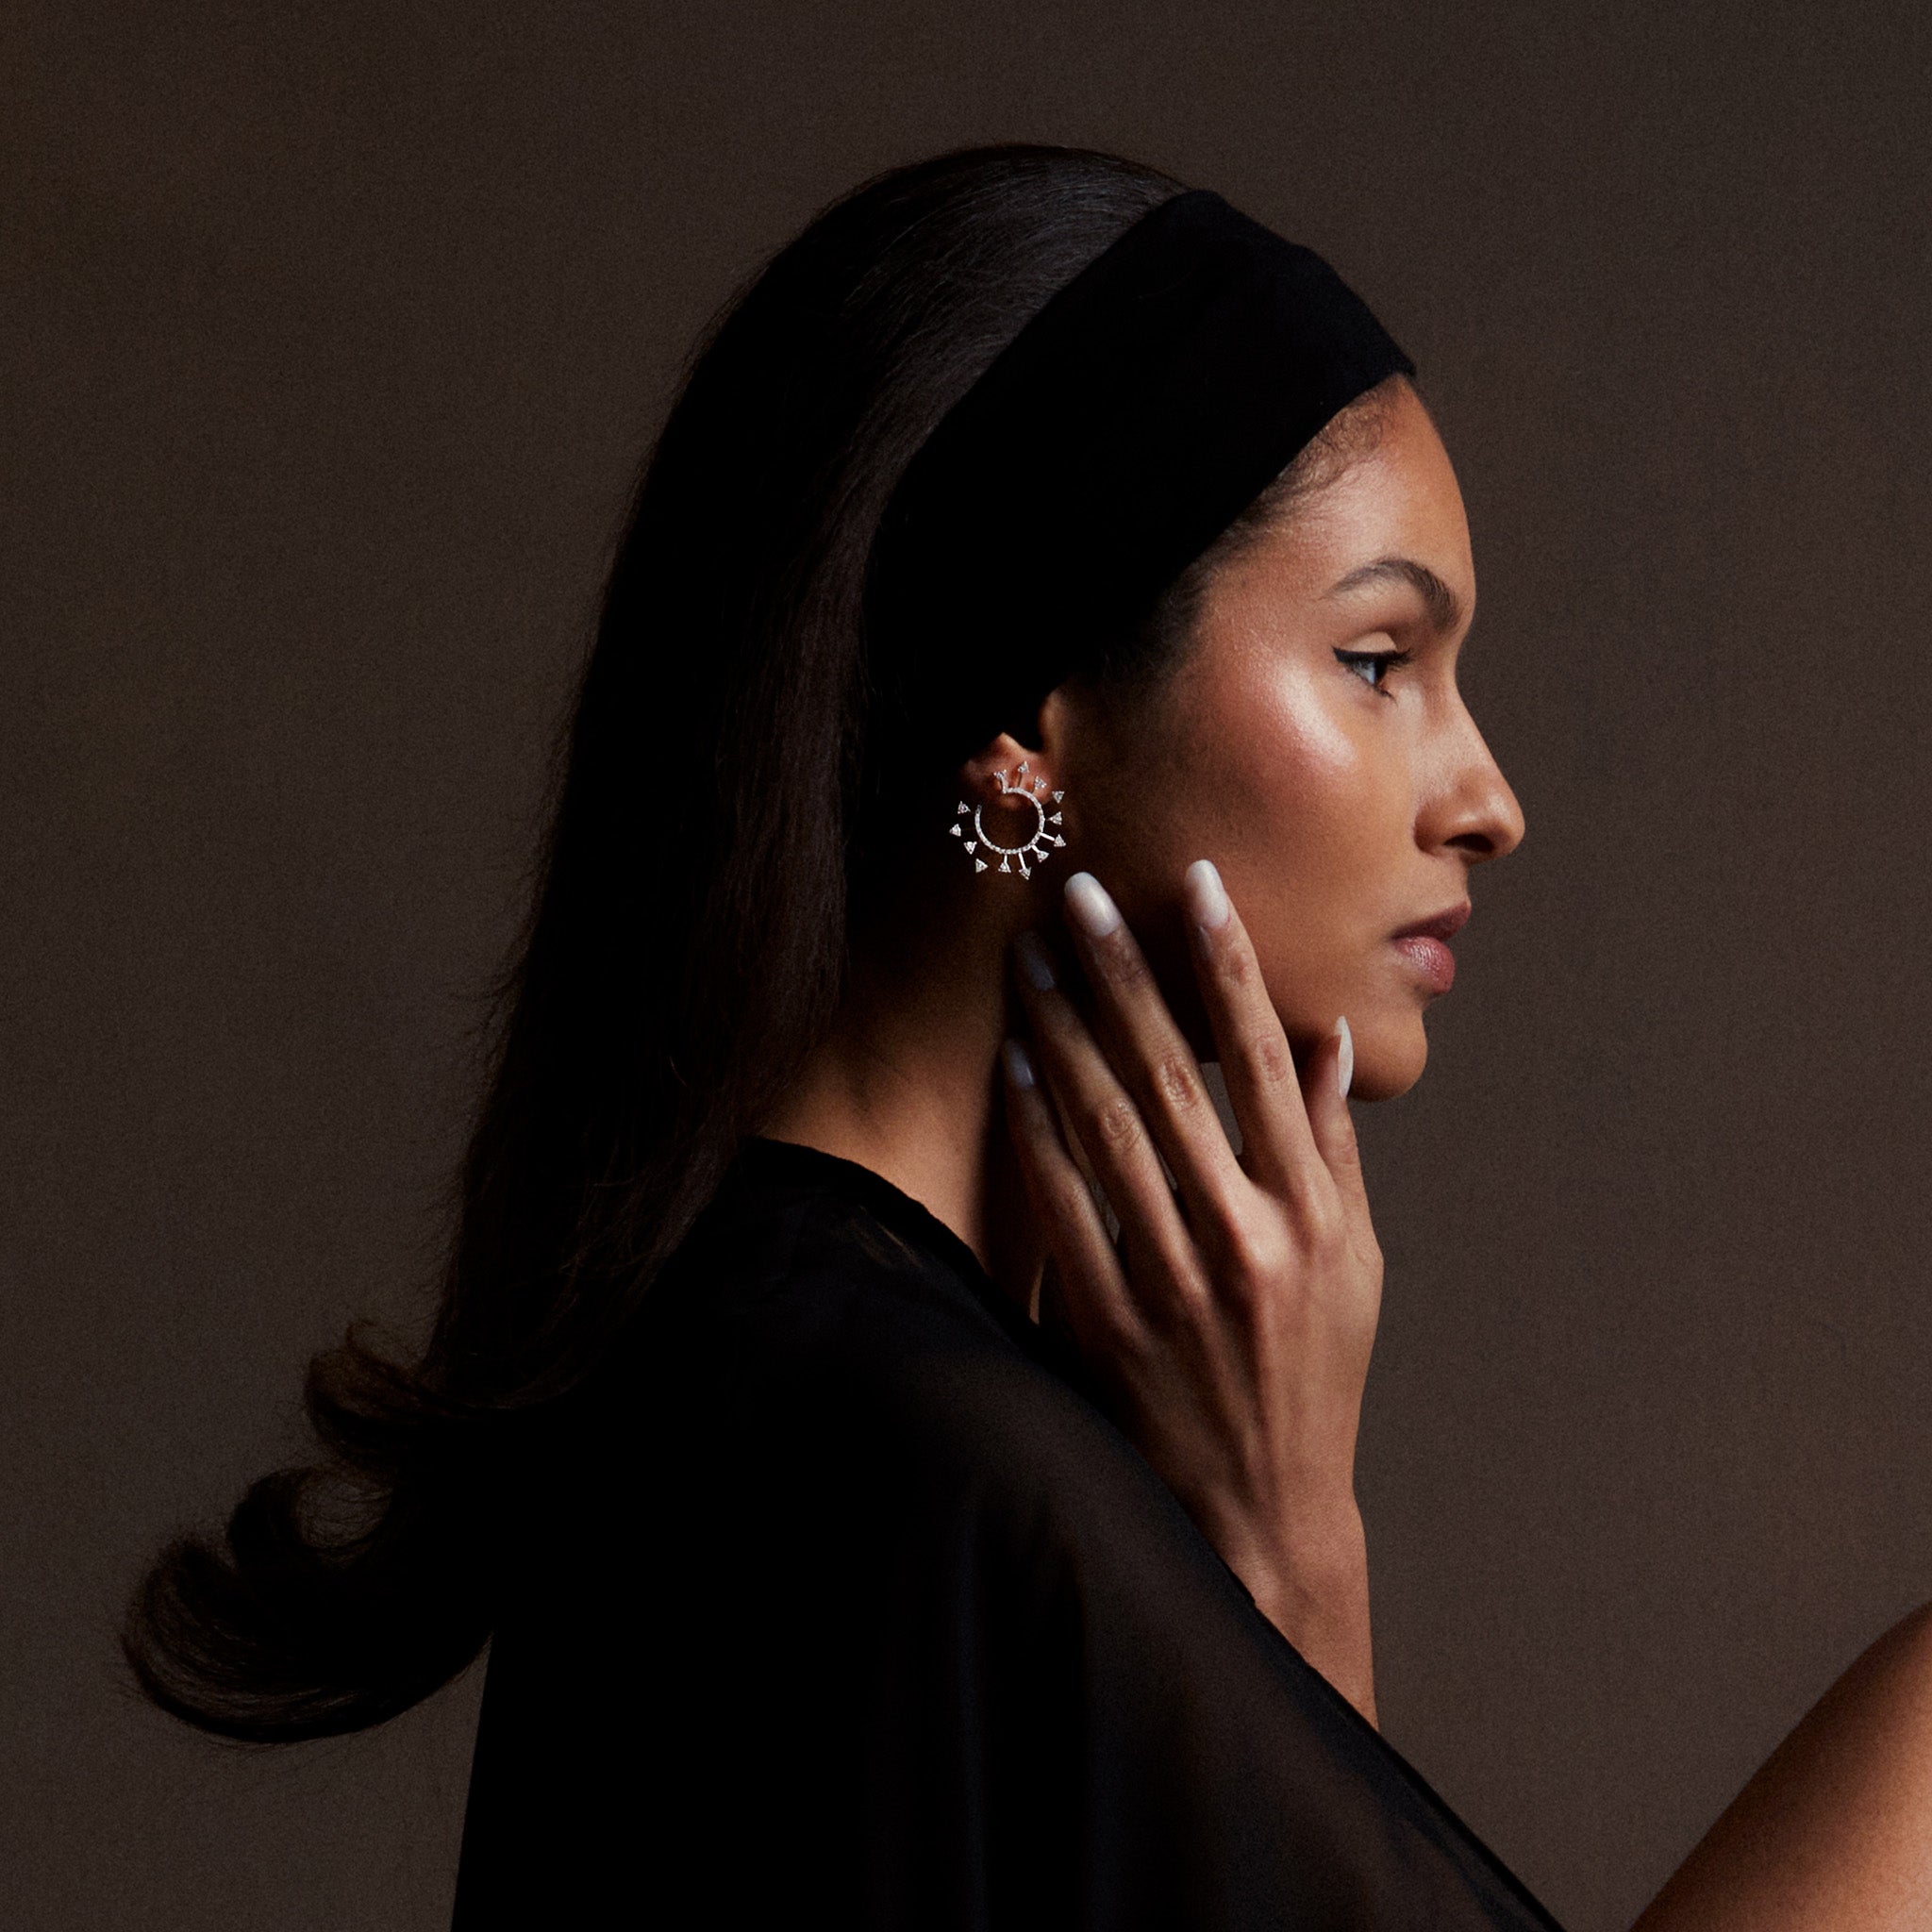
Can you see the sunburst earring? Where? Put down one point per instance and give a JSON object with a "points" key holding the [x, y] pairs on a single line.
{"points": [[1038, 847]]}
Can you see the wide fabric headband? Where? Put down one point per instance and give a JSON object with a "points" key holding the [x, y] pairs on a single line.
{"points": [[1125, 427]]}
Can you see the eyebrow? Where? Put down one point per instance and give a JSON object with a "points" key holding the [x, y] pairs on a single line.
{"points": [[1445, 606]]}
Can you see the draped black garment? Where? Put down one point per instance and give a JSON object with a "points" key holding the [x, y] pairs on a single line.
{"points": [[853, 1609]]}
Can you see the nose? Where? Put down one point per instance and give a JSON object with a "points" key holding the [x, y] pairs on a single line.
{"points": [[1475, 812]]}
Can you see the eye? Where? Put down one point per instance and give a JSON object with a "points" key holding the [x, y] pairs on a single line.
{"points": [[1373, 667]]}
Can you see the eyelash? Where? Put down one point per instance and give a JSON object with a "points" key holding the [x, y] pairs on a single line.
{"points": [[1387, 661]]}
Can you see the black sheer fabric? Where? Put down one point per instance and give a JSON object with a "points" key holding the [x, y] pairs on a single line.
{"points": [[847, 1606]]}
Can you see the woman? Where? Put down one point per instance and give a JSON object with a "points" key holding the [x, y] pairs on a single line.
{"points": [[873, 1530]]}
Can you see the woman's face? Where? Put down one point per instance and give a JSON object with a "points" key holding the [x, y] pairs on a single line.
{"points": [[1314, 745]]}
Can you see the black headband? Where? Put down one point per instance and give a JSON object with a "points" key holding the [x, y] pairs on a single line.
{"points": [[1125, 427]]}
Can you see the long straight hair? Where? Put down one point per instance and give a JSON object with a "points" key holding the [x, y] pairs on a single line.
{"points": [[686, 944]]}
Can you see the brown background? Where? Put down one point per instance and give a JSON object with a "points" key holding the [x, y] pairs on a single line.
{"points": [[331, 338]]}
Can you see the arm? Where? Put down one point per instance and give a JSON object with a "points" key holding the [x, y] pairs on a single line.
{"points": [[1834, 1832], [1232, 1322], [1319, 1600]]}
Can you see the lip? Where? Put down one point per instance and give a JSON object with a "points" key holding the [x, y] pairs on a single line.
{"points": [[1444, 925], [1425, 944]]}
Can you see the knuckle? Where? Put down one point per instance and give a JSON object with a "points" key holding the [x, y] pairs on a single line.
{"points": [[1237, 963], [1187, 1311], [1325, 1228], [1113, 1326], [1116, 1124], [1270, 1062], [1068, 1198], [1177, 1080], [1259, 1252], [1189, 1294]]}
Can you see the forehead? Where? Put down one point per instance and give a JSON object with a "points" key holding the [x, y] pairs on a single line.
{"points": [[1398, 498]]}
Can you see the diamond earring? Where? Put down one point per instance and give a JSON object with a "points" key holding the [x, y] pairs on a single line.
{"points": [[1035, 848]]}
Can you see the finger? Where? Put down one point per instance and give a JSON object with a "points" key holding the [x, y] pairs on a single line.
{"points": [[1106, 1126], [1153, 1057], [1093, 1293], [1278, 1147], [1330, 1072]]}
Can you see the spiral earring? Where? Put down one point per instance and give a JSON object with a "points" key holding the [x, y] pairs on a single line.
{"points": [[1035, 848]]}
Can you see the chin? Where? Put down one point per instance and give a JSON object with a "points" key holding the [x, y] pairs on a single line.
{"points": [[1389, 1056]]}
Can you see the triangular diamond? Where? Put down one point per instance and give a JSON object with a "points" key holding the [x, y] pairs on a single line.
{"points": [[979, 865], [955, 830], [1004, 866], [964, 806], [1023, 764], [1053, 818], [1024, 873], [1057, 796], [971, 843], [1057, 840]]}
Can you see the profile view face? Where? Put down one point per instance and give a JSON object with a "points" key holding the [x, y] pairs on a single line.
{"points": [[1314, 743]]}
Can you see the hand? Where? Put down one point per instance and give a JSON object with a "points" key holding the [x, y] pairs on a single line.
{"points": [[1232, 1322]]}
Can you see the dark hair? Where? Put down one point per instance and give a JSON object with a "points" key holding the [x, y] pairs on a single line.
{"points": [[686, 942], [687, 939]]}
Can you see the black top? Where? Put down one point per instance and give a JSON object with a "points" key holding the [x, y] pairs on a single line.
{"points": [[853, 1609]]}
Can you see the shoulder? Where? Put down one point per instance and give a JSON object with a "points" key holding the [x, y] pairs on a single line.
{"points": [[875, 1531], [830, 1352]]}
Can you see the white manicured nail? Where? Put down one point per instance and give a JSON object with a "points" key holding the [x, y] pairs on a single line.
{"points": [[1018, 1062], [1092, 905], [1205, 895], [1344, 1065]]}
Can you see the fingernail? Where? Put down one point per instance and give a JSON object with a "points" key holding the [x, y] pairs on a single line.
{"points": [[1090, 904], [1207, 897], [1018, 1062], [1033, 963], [1344, 1065]]}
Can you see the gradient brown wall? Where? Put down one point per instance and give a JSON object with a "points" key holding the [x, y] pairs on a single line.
{"points": [[332, 336]]}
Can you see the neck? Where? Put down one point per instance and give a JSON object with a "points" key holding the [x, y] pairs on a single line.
{"points": [[905, 1082]]}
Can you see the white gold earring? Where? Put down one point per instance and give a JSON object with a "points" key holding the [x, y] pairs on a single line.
{"points": [[1035, 848]]}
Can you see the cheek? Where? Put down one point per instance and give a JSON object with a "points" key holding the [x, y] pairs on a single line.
{"points": [[1298, 787], [1305, 798], [1299, 793]]}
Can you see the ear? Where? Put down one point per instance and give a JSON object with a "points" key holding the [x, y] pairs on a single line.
{"points": [[1045, 759], [995, 770], [1009, 808]]}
